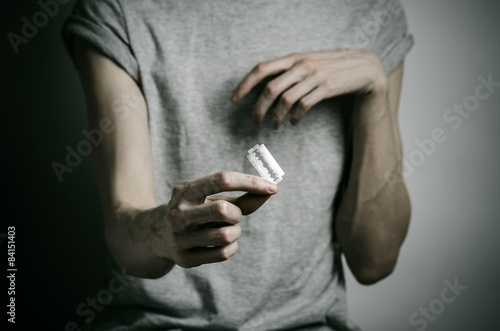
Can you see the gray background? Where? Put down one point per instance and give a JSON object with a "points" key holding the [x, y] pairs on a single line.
{"points": [[455, 191]]}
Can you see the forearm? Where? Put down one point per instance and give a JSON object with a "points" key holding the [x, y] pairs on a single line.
{"points": [[374, 214], [122, 162]]}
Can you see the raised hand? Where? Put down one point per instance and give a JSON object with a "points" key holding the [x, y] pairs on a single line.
{"points": [[198, 227]]}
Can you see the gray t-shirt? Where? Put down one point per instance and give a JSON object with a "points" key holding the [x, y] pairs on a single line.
{"points": [[187, 57]]}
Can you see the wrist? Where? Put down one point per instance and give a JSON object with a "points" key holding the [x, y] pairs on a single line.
{"points": [[130, 233], [372, 103]]}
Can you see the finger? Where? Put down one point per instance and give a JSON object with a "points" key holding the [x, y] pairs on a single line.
{"points": [[273, 67], [212, 225], [341, 82], [307, 101], [198, 256], [272, 91], [261, 71], [290, 97], [196, 190], [215, 197], [212, 212], [248, 202], [222, 236]]}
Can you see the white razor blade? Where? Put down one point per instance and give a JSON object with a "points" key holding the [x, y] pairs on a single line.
{"points": [[265, 164]]}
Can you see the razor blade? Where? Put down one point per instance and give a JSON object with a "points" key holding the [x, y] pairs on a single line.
{"points": [[265, 164]]}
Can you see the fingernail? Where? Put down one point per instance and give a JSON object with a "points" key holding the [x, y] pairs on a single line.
{"points": [[234, 96], [272, 187]]}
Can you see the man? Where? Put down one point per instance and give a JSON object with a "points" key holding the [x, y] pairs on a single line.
{"points": [[174, 81]]}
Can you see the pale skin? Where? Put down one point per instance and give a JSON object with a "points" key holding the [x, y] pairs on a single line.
{"points": [[198, 225]]}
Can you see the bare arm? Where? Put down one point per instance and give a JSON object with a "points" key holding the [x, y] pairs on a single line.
{"points": [[144, 238], [123, 162], [374, 215]]}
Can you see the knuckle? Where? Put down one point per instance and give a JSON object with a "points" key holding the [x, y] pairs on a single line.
{"points": [[224, 236], [271, 88], [223, 178], [304, 104], [317, 74], [176, 217], [225, 253], [222, 208], [178, 190], [307, 63], [287, 99], [259, 67]]}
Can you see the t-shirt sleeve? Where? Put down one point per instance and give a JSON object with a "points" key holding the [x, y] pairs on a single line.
{"points": [[102, 24], [393, 42]]}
